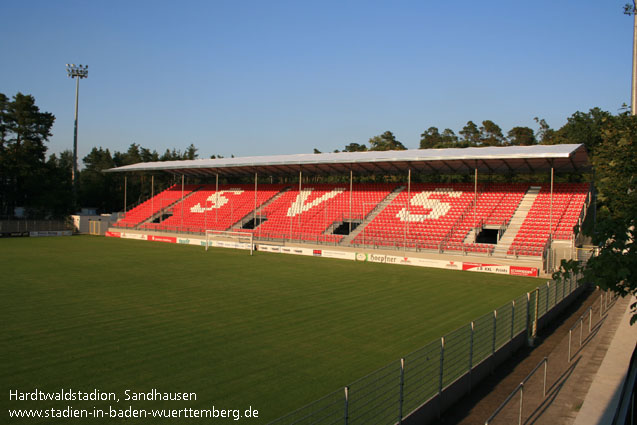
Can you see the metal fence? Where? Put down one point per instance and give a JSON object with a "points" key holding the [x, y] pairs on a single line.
{"points": [[524, 403], [520, 389], [390, 394]]}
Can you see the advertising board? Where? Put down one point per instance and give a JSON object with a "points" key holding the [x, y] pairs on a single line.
{"points": [[485, 268], [169, 239]]}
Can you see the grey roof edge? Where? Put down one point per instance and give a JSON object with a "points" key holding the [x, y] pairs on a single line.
{"points": [[411, 155]]}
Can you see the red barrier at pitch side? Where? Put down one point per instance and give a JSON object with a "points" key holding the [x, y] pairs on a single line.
{"points": [[169, 239], [523, 271]]}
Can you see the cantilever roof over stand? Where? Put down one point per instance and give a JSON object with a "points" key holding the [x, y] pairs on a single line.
{"points": [[490, 160]]}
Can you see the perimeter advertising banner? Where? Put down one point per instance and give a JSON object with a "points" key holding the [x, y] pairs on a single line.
{"points": [[169, 239], [268, 248], [294, 250], [500, 269], [410, 261], [344, 255], [137, 236], [485, 268], [191, 241], [51, 233], [227, 244], [524, 271]]}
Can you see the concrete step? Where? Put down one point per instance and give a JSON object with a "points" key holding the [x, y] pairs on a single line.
{"points": [[166, 208], [515, 224], [372, 215], [237, 225]]}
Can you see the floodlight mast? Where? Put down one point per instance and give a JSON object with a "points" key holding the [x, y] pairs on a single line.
{"points": [[78, 72], [633, 96], [631, 10]]}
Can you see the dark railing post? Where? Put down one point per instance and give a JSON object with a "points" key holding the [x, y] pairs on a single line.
{"points": [[495, 328], [346, 413], [442, 363], [402, 385], [528, 311], [521, 403], [512, 318]]}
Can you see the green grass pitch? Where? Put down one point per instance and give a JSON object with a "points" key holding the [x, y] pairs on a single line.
{"points": [[270, 331]]}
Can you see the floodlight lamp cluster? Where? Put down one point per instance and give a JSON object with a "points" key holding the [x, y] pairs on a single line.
{"points": [[80, 71]]}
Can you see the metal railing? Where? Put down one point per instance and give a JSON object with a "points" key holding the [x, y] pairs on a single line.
{"points": [[520, 389], [585, 320], [390, 394], [606, 301]]}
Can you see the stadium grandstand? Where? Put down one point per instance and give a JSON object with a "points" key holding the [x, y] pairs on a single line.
{"points": [[513, 222]]}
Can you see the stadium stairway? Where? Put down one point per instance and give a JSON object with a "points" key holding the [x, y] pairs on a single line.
{"points": [[515, 224], [163, 210], [236, 227], [381, 206]]}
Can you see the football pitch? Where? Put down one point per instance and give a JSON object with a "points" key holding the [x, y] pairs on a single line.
{"points": [[270, 332]]}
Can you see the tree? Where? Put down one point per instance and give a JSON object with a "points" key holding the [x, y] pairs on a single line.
{"points": [[4, 106], [316, 150], [449, 138], [614, 156], [431, 138], [385, 142], [491, 134], [24, 130], [355, 147], [545, 133], [147, 155], [521, 136], [583, 128], [55, 193], [191, 152], [98, 189], [470, 135]]}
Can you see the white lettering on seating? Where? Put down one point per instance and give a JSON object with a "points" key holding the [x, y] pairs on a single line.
{"points": [[438, 207], [217, 200], [300, 205]]}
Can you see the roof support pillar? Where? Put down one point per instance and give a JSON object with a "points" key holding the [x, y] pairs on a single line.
{"points": [[300, 188], [291, 218], [351, 176], [408, 208], [633, 91], [182, 202], [152, 193], [254, 212], [475, 201], [216, 197], [125, 185], [551, 208]]}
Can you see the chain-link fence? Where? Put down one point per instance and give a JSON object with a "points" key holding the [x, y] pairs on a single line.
{"points": [[390, 394]]}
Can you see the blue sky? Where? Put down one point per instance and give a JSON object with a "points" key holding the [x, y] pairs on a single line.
{"points": [[259, 78]]}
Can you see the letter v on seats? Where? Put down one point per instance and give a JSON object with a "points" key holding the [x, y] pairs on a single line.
{"points": [[300, 205]]}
